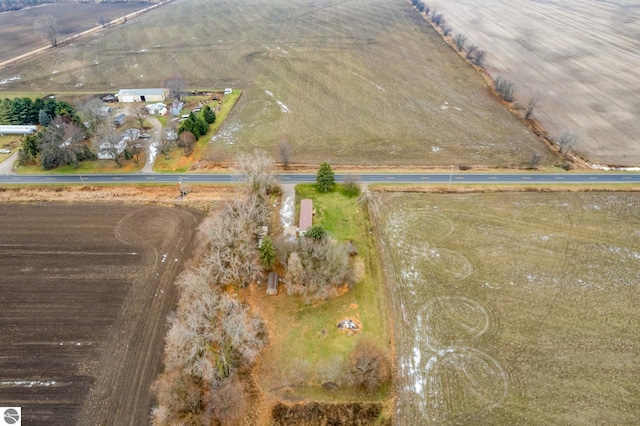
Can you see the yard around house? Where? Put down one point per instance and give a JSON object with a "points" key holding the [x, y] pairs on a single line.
{"points": [[513, 308], [305, 345]]}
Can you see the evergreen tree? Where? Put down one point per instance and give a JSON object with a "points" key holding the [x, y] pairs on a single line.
{"points": [[325, 179], [267, 253], [316, 232], [208, 114]]}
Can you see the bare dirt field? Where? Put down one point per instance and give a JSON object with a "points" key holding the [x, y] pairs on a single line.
{"points": [[85, 292], [514, 308], [357, 82], [581, 56], [18, 36]]}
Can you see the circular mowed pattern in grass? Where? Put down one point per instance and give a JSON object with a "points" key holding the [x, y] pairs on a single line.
{"points": [[451, 320]]}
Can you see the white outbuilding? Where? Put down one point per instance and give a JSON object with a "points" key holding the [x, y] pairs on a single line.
{"points": [[143, 95], [17, 130]]}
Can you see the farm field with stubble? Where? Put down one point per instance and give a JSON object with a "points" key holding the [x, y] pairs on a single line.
{"points": [[514, 308], [18, 36], [354, 83], [582, 58], [85, 292]]}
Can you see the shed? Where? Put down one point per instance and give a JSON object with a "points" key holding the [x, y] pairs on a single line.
{"points": [[119, 119], [17, 130], [272, 284], [306, 215], [157, 109], [142, 95]]}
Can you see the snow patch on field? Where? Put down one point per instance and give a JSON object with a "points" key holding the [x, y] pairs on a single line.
{"points": [[28, 383], [283, 107], [7, 80]]}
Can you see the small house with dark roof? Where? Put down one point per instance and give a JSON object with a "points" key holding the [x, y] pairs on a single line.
{"points": [[306, 216]]}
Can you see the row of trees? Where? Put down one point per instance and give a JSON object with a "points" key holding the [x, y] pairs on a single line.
{"points": [[214, 337], [22, 111]]}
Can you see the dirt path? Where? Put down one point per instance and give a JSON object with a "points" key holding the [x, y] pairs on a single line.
{"points": [[149, 145], [6, 167]]}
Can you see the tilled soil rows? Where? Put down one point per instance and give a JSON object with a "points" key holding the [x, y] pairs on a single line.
{"points": [[85, 292]]}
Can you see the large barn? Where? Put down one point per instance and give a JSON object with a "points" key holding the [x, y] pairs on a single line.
{"points": [[142, 95]]}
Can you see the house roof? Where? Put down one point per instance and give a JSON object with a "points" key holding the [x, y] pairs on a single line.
{"points": [[141, 92], [306, 214]]}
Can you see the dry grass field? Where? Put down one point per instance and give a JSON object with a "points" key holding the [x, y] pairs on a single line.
{"points": [[581, 56], [514, 308], [357, 82], [16, 27], [85, 292]]}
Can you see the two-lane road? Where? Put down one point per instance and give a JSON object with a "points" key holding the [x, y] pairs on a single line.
{"points": [[426, 178]]}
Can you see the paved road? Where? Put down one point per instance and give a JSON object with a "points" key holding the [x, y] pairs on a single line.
{"points": [[446, 178]]}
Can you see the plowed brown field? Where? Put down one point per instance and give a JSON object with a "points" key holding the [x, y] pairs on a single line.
{"points": [[85, 291], [581, 56]]}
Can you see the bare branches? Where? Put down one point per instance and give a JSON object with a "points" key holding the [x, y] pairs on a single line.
{"points": [[47, 26], [533, 101], [284, 152], [459, 40], [257, 173], [505, 88], [566, 141]]}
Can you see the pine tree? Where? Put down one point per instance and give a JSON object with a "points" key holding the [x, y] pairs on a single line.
{"points": [[325, 179], [267, 253]]}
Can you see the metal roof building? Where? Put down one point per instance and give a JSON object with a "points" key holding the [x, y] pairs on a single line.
{"points": [[142, 95], [306, 215], [17, 130]]}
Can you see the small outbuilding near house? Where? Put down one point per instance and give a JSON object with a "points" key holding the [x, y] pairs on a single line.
{"points": [[142, 95], [306, 216], [272, 284]]}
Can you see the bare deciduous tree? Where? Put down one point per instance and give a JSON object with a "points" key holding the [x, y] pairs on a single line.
{"points": [[533, 101], [480, 57], [176, 85], [505, 88], [535, 160], [567, 140], [47, 26], [459, 40], [186, 140], [369, 366], [284, 152], [446, 30], [318, 268], [257, 172]]}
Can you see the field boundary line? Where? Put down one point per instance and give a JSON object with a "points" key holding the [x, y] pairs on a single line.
{"points": [[123, 19]]}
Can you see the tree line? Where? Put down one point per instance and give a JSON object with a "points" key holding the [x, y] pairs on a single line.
{"points": [[25, 111]]}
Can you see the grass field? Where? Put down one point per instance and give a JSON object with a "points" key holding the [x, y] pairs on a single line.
{"points": [[514, 308], [359, 82], [578, 56], [305, 344]]}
